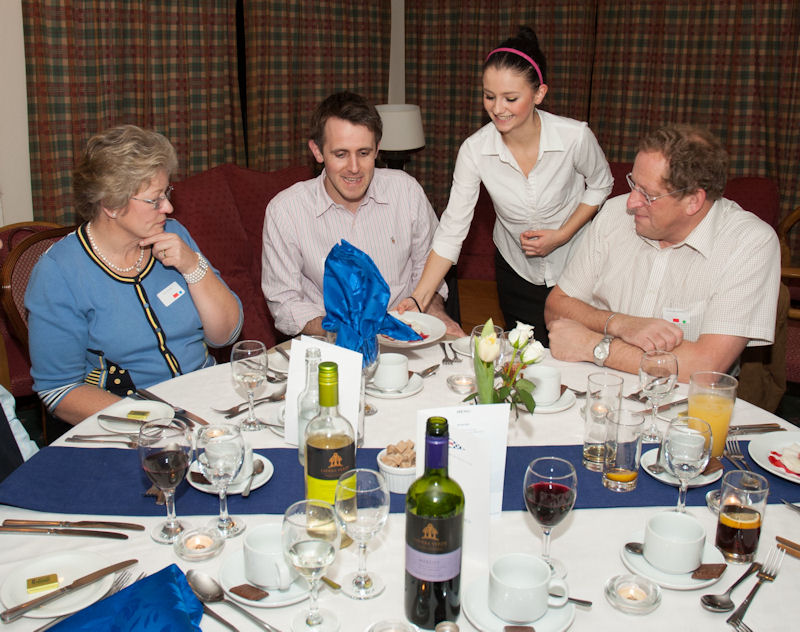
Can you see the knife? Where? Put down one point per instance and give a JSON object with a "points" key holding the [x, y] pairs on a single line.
{"points": [[12, 614], [283, 352], [53, 531], [755, 430], [791, 506], [81, 524], [788, 543], [179, 412], [665, 407]]}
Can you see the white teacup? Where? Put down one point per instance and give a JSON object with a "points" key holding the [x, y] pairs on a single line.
{"points": [[520, 587], [673, 542], [548, 383], [247, 466], [264, 563], [392, 372]]}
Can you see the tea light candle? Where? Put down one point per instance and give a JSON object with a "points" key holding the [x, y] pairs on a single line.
{"points": [[198, 542], [599, 410], [631, 592], [461, 383]]}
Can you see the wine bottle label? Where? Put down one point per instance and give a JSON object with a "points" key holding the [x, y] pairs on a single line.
{"points": [[325, 466], [433, 547]]}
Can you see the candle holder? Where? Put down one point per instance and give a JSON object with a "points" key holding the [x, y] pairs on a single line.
{"points": [[197, 545], [633, 594]]}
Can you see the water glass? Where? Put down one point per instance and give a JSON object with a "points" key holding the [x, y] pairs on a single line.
{"points": [[711, 398], [743, 500], [622, 450], [687, 449], [220, 453], [603, 396]]}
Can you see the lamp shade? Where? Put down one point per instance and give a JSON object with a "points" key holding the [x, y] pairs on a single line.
{"points": [[402, 127]]}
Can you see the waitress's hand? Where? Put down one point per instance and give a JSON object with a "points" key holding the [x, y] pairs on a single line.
{"points": [[539, 243], [406, 305], [172, 251]]}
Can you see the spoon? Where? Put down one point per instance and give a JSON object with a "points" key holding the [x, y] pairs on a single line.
{"points": [[214, 615], [723, 602], [655, 467], [637, 548], [258, 467], [209, 591]]}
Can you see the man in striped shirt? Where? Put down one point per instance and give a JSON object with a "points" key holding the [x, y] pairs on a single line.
{"points": [[673, 265], [383, 212]]}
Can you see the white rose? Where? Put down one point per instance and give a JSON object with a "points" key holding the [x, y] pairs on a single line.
{"points": [[520, 335], [488, 348], [533, 353]]}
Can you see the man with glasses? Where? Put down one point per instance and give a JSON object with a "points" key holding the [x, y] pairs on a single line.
{"points": [[673, 265]]}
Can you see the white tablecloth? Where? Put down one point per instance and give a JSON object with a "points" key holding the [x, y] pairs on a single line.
{"points": [[588, 541]]}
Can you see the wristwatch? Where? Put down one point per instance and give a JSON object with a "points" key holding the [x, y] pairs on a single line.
{"points": [[603, 348]]}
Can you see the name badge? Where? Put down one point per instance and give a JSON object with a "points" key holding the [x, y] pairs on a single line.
{"points": [[170, 294], [676, 316]]}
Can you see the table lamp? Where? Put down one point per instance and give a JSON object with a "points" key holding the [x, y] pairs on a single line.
{"points": [[402, 133]]}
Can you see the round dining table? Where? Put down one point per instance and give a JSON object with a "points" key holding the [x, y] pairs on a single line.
{"points": [[589, 541]]}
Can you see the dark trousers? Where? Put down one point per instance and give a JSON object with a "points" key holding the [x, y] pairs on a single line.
{"points": [[521, 300]]}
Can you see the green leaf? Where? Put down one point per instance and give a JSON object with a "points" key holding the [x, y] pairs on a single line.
{"points": [[527, 399]]}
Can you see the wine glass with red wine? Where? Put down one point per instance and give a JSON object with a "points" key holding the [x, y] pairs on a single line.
{"points": [[550, 488], [165, 451]]}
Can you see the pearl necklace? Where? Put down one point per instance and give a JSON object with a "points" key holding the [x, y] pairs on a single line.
{"points": [[137, 265]]}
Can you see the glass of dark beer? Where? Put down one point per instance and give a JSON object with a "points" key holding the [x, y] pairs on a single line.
{"points": [[743, 499]]}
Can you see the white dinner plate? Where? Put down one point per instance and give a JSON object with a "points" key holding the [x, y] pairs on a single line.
{"points": [[429, 326], [121, 408], [566, 400], [649, 457], [277, 363], [640, 566], [761, 446], [475, 603], [413, 387], [235, 488], [231, 574], [69, 566], [461, 346]]}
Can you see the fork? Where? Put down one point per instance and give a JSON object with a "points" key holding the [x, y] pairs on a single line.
{"points": [[456, 357], [768, 573], [240, 408], [734, 453], [741, 626], [447, 359]]}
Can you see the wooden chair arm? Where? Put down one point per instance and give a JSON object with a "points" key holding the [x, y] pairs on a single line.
{"points": [[784, 228]]}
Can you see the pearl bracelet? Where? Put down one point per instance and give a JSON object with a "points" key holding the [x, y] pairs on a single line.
{"points": [[196, 275]]}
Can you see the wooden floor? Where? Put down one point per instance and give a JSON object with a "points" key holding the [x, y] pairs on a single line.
{"points": [[478, 300]]}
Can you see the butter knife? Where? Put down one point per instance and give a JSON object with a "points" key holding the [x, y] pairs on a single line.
{"points": [[80, 524], [666, 407], [54, 531], [12, 614], [179, 412]]}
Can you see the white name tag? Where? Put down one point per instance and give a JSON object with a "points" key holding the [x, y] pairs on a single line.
{"points": [[677, 316], [171, 293]]}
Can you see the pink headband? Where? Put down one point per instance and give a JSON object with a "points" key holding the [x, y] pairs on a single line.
{"points": [[521, 54]]}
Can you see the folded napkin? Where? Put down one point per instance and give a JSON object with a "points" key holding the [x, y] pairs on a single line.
{"points": [[356, 297], [162, 601]]}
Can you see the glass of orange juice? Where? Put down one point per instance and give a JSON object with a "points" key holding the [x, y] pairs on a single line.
{"points": [[711, 398]]}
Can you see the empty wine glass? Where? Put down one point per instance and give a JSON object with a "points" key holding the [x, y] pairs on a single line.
{"points": [[220, 452], [310, 537], [362, 505], [658, 371], [687, 448], [550, 489], [165, 451], [249, 365]]}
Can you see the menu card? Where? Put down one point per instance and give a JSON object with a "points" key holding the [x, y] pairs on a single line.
{"points": [[349, 381], [479, 471]]}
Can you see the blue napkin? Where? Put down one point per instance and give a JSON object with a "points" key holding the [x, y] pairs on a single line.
{"points": [[161, 602], [356, 297]]}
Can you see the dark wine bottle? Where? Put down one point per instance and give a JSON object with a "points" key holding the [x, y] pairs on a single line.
{"points": [[434, 526]]}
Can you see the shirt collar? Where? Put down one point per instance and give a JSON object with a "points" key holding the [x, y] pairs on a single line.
{"points": [[702, 236], [549, 139], [375, 192]]}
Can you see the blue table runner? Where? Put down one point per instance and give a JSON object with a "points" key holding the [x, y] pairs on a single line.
{"points": [[104, 481]]}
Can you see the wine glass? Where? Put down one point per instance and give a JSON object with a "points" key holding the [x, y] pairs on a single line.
{"points": [[165, 450], [249, 365], [362, 505], [687, 449], [220, 453], [310, 536], [658, 371], [550, 489]]}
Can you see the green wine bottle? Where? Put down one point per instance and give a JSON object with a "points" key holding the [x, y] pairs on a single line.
{"points": [[434, 527]]}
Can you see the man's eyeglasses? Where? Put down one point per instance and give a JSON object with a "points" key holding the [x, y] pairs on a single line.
{"points": [[650, 198], [157, 202]]}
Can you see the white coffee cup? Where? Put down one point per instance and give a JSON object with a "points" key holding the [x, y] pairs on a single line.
{"points": [[673, 542], [247, 466], [520, 587], [548, 383], [392, 372], [264, 563]]}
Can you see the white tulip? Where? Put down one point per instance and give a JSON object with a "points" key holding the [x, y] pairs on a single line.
{"points": [[488, 347]]}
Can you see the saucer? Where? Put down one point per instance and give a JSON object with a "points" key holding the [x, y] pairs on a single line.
{"points": [[154, 410], [231, 574], [649, 457], [638, 565], [475, 604], [461, 346], [413, 387], [567, 400], [235, 488], [277, 363]]}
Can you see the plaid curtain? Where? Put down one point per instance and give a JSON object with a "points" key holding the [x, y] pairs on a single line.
{"points": [[446, 44], [167, 65], [297, 53]]}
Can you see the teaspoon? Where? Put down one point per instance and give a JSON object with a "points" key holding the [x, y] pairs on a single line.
{"points": [[634, 547], [723, 602], [258, 467]]}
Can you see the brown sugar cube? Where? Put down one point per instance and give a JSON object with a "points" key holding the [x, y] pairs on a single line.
{"points": [[249, 592], [709, 571], [392, 449]]}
